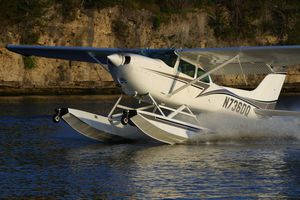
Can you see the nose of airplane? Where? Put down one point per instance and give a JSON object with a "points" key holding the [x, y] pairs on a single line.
{"points": [[116, 59]]}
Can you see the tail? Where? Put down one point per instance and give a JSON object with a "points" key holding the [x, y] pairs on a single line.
{"points": [[269, 89], [266, 94]]}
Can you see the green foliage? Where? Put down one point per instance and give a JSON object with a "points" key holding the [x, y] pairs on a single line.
{"points": [[160, 19], [100, 3], [29, 62], [29, 36], [294, 34], [68, 8], [244, 19], [284, 13], [121, 29], [176, 6], [20, 11], [157, 22], [231, 20]]}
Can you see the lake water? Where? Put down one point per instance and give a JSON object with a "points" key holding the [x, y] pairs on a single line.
{"points": [[40, 159]]}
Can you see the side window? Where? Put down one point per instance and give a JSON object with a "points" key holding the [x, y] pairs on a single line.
{"points": [[201, 72], [186, 68]]}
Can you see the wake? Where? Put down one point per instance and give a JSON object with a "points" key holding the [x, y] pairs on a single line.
{"points": [[233, 129]]}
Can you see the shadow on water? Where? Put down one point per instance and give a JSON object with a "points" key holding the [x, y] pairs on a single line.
{"points": [[42, 159]]}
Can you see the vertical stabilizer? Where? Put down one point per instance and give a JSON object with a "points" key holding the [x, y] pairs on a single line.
{"points": [[269, 89]]}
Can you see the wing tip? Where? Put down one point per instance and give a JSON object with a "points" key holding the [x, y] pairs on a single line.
{"points": [[9, 46], [16, 49]]}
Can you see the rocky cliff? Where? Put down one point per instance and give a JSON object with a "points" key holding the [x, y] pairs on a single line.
{"points": [[108, 27]]}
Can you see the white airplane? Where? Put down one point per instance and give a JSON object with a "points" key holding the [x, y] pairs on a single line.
{"points": [[172, 87]]}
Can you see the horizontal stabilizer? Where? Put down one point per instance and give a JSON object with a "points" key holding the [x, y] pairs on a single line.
{"points": [[270, 113]]}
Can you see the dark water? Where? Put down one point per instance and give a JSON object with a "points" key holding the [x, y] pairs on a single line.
{"points": [[39, 159]]}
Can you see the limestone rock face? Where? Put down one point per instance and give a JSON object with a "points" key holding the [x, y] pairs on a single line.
{"points": [[109, 27]]}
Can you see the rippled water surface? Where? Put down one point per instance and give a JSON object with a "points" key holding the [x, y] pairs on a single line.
{"points": [[41, 159]]}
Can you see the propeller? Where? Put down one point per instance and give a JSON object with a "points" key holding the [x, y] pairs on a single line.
{"points": [[116, 59]]}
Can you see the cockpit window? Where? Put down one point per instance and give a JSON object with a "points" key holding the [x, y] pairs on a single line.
{"points": [[167, 56], [186, 68], [190, 70], [201, 72]]}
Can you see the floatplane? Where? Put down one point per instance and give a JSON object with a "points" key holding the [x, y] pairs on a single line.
{"points": [[171, 87]]}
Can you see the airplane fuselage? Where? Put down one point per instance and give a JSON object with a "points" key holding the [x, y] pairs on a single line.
{"points": [[142, 75]]}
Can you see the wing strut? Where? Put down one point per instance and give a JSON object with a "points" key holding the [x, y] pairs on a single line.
{"points": [[98, 61], [202, 76], [242, 71]]}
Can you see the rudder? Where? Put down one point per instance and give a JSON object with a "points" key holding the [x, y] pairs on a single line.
{"points": [[270, 88]]}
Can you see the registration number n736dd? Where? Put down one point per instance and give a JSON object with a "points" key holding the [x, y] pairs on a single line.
{"points": [[236, 106]]}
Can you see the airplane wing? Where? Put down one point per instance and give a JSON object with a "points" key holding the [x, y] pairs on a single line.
{"points": [[254, 60], [83, 54], [270, 113], [251, 60]]}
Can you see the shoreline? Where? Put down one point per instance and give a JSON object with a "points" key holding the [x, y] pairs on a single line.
{"points": [[60, 91]]}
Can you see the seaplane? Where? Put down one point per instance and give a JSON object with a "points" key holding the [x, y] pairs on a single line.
{"points": [[171, 87]]}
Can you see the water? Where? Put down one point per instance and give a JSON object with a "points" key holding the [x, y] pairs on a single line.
{"points": [[39, 159]]}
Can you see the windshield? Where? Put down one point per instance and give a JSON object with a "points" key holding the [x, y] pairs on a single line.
{"points": [[166, 55]]}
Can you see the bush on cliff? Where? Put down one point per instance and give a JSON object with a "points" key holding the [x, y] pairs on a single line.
{"points": [[29, 62]]}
